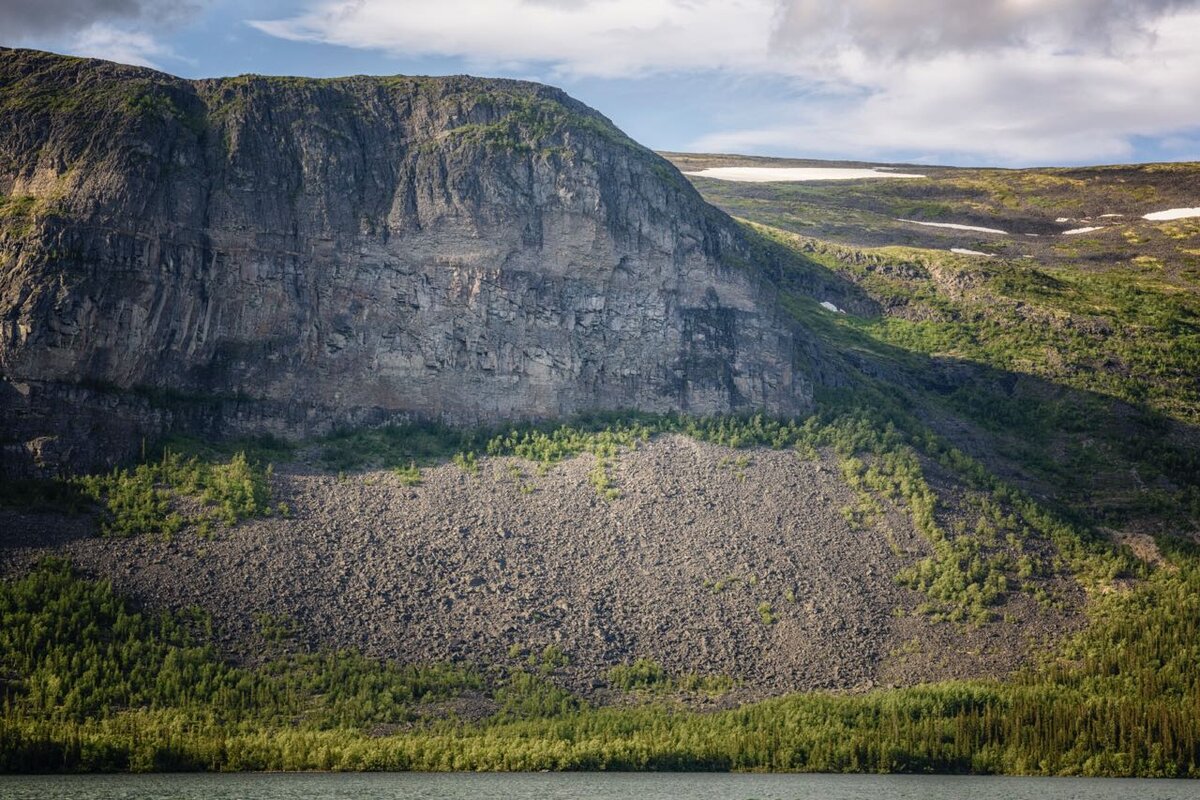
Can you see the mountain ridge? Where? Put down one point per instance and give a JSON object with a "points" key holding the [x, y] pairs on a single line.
{"points": [[458, 249]]}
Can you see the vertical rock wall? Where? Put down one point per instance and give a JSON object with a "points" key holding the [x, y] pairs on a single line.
{"points": [[269, 254]]}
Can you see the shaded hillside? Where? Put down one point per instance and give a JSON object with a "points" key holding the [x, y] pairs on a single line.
{"points": [[1068, 363]]}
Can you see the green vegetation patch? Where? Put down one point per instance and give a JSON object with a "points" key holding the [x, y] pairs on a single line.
{"points": [[142, 499], [19, 207], [647, 676], [1080, 381], [528, 123], [44, 496]]}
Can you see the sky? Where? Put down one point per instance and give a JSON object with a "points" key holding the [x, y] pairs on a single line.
{"points": [[969, 82]]}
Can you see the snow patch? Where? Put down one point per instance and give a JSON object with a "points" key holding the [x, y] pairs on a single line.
{"points": [[962, 251], [1105, 216], [955, 226], [768, 174], [828, 306], [1173, 213], [1074, 231], [1063, 219]]}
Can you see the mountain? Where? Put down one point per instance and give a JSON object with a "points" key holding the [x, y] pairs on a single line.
{"points": [[291, 255], [407, 423]]}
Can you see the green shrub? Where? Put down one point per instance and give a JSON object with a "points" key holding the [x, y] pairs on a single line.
{"points": [[140, 500], [467, 462], [599, 478], [643, 673], [410, 475], [551, 659]]}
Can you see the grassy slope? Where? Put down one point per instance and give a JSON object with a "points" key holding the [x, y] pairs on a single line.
{"points": [[1068, 363]]}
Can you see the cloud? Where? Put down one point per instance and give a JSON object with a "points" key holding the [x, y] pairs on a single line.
{"points": [[118, 30], [604, 38], [1014, 81], [611, 38], [1037, 104], [126, 46], [920, 29], [23, 19]]}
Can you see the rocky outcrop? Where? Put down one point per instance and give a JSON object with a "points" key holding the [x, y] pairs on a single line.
{"points": [[284, 254]]}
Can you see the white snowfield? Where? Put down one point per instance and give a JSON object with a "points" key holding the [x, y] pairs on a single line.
{"points": [[955, 226], [769, 174], [1173, 213], [828, 306], [1074, 231], [962, 251]]}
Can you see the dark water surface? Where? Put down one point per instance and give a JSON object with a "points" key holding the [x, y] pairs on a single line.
{"points": [[585, 786]]}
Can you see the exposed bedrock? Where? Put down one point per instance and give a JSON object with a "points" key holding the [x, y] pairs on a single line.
{"points": [[259, 253]]}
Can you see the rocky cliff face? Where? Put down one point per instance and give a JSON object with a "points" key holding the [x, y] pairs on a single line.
{"points": [[288, 254]]}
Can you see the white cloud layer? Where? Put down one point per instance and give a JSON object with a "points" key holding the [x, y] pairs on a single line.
{"points": [[919, 28], [100, 40], [604, 38], [1034, 104], [117, 30], [24, 18], [1013, 81]]}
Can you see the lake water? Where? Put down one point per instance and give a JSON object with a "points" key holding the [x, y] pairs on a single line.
{"points": [[584, 786]]}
